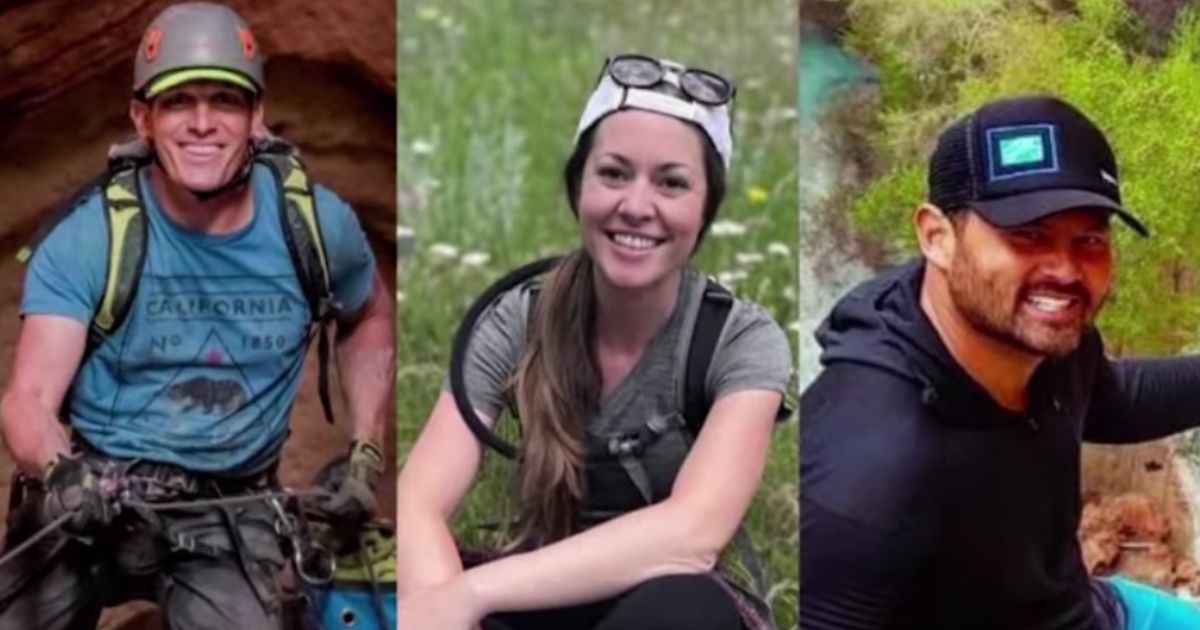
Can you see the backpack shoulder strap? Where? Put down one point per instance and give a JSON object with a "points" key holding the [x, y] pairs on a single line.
{"points": [[710, 321], [302, 231], [306, 246], [715, 307], [125, 217], [125, 220], [534, 286]]}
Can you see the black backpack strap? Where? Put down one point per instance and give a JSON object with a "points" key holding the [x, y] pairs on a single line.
{"points": [[715, 307], [534, 287], [306, 246], [710, 321]]}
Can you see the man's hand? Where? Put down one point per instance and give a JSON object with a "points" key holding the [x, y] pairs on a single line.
{"points": [[73, 487], [351, 482]]}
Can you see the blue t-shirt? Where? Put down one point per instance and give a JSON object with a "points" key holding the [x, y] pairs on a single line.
{"points": [[204, 370]]}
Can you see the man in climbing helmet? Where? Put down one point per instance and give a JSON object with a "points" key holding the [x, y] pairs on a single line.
{"points": [[166, 318], [198, 86]]}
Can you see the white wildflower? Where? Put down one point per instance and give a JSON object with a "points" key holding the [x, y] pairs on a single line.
{"points": [[777, 248], [475, 259], [421, 146], [745, 259], [725, 227], [731, 277], [406, 240], [784, 113], [444, 251]]}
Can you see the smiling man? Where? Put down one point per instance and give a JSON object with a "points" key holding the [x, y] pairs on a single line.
{"points": [[166, 321], [948, 497]]}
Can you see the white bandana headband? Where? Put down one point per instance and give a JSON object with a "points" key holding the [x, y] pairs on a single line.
{"points": [[610, 96]]}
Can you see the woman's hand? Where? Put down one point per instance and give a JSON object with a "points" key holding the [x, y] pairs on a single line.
{"points": [[448, 606]]}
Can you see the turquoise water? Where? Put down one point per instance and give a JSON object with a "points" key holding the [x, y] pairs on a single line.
{"points": [[825, 68], [826, 270]]}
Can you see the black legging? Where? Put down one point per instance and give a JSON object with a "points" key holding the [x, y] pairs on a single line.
{"points": [[691, 602]]}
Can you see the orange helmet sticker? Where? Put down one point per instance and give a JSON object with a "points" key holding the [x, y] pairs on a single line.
{"points": [[249, 48], [153, 43]]}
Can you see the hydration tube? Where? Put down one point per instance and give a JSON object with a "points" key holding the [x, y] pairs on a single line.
{"points": [[462, 340]]}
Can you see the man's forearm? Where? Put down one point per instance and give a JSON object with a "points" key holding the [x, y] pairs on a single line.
{"points": [[1146, 399], [366, 358], [33, 434]]}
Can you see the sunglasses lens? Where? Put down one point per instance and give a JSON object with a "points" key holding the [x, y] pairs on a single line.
{"points": [[706, 87], [635, 71]]}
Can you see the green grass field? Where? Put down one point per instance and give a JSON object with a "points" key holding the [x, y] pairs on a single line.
{"points": [[489, 96]]}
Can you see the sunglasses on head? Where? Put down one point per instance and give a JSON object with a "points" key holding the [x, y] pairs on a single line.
{"points": [[702, 86]]}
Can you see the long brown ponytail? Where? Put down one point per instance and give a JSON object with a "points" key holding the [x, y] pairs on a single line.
{"points": [[557, 388]]}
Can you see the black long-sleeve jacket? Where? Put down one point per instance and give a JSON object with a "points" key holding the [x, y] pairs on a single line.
{"points": [[926, 505]]}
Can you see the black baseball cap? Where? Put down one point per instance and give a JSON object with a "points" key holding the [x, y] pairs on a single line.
{"points": [[1018, 160]]}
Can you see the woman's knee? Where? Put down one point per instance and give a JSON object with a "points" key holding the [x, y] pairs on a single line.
{"points": [[696, 602]]}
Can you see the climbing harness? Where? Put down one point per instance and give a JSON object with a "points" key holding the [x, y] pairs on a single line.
{"points": [[135, 504]]}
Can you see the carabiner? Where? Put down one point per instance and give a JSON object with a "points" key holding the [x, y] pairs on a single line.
{"points": [[318, 558]]}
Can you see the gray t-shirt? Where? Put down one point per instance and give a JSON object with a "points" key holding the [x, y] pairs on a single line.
{"points": [[752, 354]]}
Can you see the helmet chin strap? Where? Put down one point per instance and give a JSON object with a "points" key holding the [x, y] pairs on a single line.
{"points": [[242, 176], [239, 179]]}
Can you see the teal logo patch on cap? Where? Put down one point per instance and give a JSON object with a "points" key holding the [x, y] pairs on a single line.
{"points": [[1021, 151]]}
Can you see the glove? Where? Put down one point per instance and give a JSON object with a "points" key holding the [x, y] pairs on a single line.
{"points": [[350, 481], [73, 487]]}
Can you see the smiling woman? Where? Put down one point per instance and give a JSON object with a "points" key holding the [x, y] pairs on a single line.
{"points": [[652, 170], [625, 496]]}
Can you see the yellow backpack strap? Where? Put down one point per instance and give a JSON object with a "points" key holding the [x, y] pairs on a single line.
{"points": [[306, 245], [125, 218], [302, 231]]}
